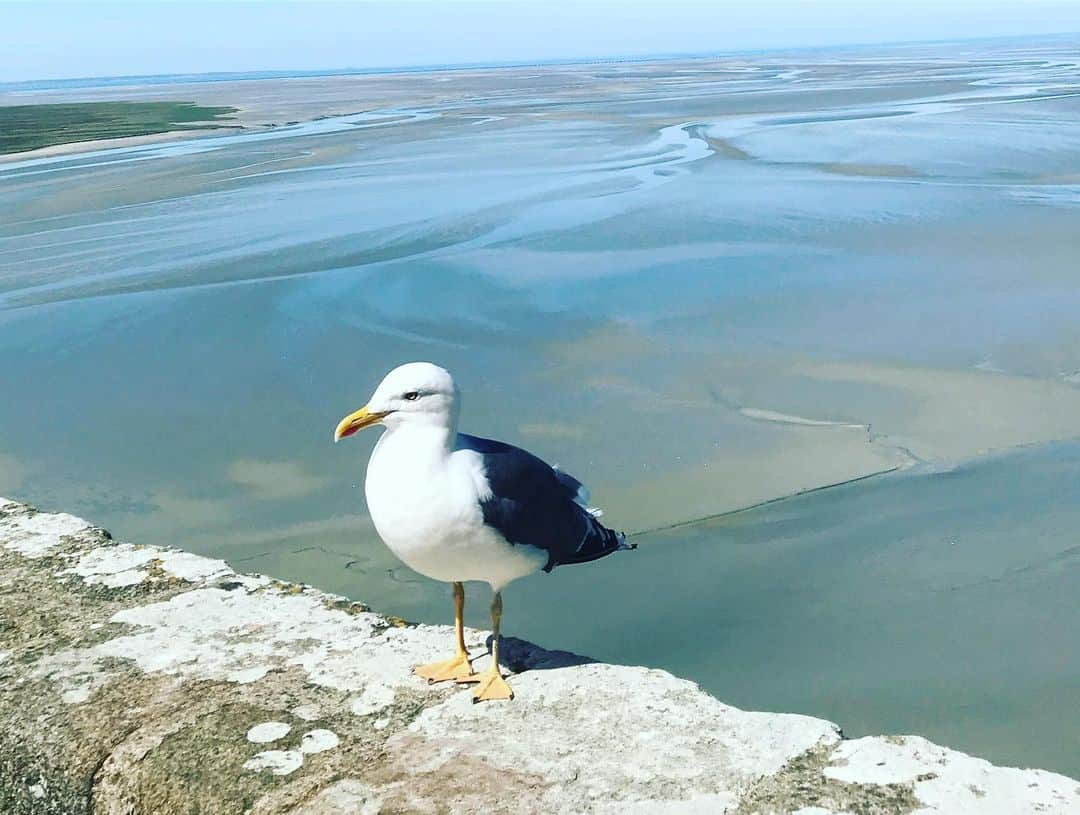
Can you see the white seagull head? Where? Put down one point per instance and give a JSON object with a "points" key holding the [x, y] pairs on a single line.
{"points": [[414, 393]]}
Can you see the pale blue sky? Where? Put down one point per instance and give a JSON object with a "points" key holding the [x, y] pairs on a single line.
{"points": [[43, 39]]}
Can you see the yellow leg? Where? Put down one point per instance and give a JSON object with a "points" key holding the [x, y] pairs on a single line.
{"points": [[458, 666], [491, 684]]}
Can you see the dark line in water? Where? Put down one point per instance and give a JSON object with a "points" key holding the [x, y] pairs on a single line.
{"points": [[760, 504]]}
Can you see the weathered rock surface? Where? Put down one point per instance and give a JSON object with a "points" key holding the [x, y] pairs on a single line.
{"points": [[137, 679]]}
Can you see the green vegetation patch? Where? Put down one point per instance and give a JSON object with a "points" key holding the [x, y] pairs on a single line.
{"points": [[28, 127]]}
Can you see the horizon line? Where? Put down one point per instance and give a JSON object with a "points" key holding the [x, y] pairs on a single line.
{"points": [[241, 75]]}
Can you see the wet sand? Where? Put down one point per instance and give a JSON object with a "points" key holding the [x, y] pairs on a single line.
{"points": [[699, 285]]}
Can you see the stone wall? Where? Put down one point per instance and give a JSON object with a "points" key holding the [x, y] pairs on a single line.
{"points": [[138, 679]]}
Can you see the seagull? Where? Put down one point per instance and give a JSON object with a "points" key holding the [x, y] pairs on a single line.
{"points": [[456, 507]]}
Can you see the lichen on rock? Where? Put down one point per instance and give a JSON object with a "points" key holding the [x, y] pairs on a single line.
{"points": [[135, 678]]}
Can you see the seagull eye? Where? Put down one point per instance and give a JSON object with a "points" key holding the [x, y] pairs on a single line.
{"points": [[411, 396]]}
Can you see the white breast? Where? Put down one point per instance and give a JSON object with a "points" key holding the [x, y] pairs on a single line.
{"points": [[424, 502]]}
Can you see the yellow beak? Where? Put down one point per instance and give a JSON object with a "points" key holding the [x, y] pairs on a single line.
{"points": [[355, 422]]}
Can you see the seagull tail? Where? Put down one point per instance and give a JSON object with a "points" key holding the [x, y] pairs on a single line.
{"points": [[597, 542]]}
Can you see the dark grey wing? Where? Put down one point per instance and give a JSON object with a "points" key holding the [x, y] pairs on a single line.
{"points": [[534, 504]]}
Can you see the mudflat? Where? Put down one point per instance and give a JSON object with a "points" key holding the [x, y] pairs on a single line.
{"points": [[699, 285]]}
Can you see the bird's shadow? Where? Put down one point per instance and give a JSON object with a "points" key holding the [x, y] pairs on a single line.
{"points": [[521, 655]]}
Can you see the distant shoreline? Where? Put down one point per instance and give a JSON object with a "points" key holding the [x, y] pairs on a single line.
{"points": [[29, 129], [267, 99], [74, 148], [90, 82]]}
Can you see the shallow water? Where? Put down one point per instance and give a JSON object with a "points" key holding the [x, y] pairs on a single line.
{"points": [[939, 603], [696, 285]]}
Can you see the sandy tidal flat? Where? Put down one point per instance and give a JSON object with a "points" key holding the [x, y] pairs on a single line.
{"points": [[700, 285]]}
